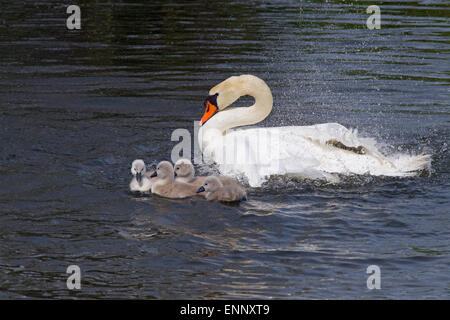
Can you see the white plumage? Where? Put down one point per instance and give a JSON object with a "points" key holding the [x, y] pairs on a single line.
{"points": [[303, 151]]}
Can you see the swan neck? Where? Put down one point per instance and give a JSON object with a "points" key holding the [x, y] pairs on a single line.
{"points": [[242, 116]]}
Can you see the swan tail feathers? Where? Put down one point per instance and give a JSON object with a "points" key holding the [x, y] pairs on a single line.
{"points": [[413, 165], [421, 162]]}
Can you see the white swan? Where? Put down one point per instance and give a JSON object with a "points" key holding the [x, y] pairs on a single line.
{"points": [[315, 151]]}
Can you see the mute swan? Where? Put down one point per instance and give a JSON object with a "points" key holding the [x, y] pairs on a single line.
{"points": [[316, 151], [215, 190], [166, 186], [141, 178], [185, 172]]}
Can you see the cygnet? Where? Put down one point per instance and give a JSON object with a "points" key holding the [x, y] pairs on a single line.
{"points": [[215, 190], [142, 180], [185, 172]]}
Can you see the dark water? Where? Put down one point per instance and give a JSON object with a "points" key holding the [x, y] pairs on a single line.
{"points": [[78, 106]]}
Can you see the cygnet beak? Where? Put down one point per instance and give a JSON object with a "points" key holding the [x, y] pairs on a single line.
{"points": [[201, 189], [139, 176], [154, 174]]}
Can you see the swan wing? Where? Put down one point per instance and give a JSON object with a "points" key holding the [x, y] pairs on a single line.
{"points": [[257, 153]]}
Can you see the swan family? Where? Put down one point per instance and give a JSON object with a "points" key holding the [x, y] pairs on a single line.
{"points": [[165, 182], [228, 140]]}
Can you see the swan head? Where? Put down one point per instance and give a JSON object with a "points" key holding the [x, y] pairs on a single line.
{"points": [[211, 184], [164, 170], [183, 168], [138, 169], [222, 95], [228, 91]]}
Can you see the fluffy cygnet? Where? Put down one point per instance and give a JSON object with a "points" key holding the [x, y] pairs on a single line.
{"points": [[215, 190], [142, 180], [166, 186], [185, 172]]}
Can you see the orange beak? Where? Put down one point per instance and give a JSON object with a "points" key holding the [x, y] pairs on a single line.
{"points": [[210, 110]]}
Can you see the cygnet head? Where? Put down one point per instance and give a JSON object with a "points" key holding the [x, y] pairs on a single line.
{"points": [[183, 168], [164, 170], [211, 184], [138, 169]]}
